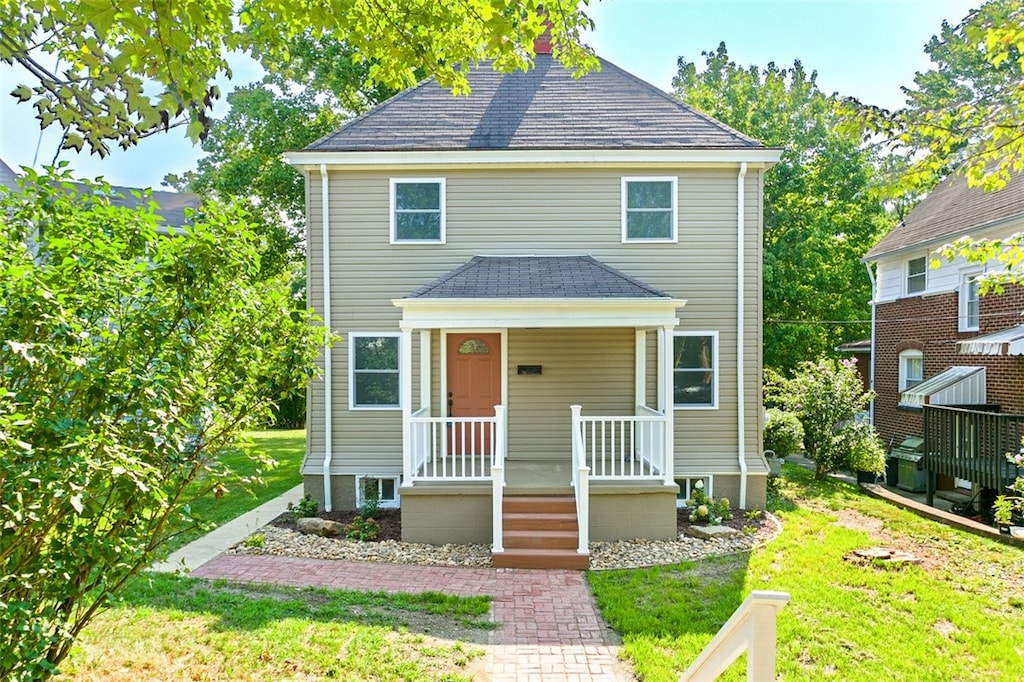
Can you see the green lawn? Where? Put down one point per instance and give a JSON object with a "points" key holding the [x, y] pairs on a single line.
{"points": [[170, 627], [959, 615], [286, 447]]}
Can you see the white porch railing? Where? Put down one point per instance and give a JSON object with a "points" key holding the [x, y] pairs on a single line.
{"points": [[752, 629], [580, 483], [455, 448], [624, 447]]}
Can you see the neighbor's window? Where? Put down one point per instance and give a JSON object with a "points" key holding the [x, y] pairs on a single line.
{"points": [[373, 361], [417, 210], [969, 304], [649, 209], [917, 271], [911, 369], [695, 368]]}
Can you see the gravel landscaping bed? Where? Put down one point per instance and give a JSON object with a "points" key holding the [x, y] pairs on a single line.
{"points": [[280, 538]]}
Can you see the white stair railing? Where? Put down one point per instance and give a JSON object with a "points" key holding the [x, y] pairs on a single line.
{"points": [[580, 481], [498, 481], [752, 629]]}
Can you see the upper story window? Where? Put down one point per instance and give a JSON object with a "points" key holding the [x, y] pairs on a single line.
{"points": [[649, 209], [417, 210], [373, 371], [917, 273], [695, 369], [969, 305], [911, 369]]}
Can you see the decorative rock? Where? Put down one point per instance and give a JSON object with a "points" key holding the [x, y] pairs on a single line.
{"points": [[713, 532], [882, 554], [321, 527], [603, 555]]}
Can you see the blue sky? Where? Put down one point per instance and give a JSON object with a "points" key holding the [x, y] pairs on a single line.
{"points": [[862, 48]]}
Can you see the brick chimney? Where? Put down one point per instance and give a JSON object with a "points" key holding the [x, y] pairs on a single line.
{"points": [[542, 43]]}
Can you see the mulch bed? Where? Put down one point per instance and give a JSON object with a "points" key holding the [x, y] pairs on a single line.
{"points": [[390, 521]]}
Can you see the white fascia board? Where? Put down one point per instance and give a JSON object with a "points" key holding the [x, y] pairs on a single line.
{"points": [[999, 229], [487, 313], [758, 157]]}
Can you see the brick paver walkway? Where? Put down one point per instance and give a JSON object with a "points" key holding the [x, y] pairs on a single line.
{"points": [[549, 628]]}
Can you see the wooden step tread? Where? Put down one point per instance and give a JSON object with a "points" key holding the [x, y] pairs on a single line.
{"points": [[539, 504], [540, 558], [539, 521], [541, 539]]}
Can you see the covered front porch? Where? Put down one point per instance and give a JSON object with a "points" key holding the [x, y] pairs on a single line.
{"points": [[580, 405]]}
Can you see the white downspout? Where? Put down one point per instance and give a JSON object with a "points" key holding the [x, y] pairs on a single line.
{"points": [[741, 430], [871, 356], [328, 384]]}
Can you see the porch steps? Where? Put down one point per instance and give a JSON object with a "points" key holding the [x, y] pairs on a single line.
{"points": [[540, 532]]}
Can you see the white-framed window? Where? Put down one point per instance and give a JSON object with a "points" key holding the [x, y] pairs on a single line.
{"points": [[695, 370], [649, 209], [911, 369], [385, 488], [917, 275], [969, 303], [688, 485], [417, 211], [373, 370]]}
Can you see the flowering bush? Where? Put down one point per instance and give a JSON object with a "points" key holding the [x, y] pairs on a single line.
{"points": [[362, 529], [704, 509], [1007, 505], [783, 433]]}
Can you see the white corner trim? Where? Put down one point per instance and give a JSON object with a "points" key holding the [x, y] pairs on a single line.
{"points": [[325, 243], [741, 430]]}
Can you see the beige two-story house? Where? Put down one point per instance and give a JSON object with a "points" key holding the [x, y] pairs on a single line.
{"points": [[549, 300]]}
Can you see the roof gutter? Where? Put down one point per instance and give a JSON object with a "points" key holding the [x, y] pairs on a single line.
{"points": [[328, 384], [740, 398]]}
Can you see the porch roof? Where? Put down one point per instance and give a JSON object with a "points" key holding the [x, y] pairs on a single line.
{"points": [[537, 291], [1005, 342], [952, 386]]}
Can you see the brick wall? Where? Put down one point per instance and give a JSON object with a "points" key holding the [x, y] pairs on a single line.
{"points": [[930, 324]]}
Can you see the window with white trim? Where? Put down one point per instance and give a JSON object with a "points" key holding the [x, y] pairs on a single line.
{"points": [[911, 369], [373, 371], [417, 210], [688, 485], [917, 275], [382, 488], [969, 303], [695, 370], [649, 209]]}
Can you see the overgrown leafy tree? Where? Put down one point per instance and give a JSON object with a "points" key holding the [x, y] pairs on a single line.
{"points": [[826, 396], [967, 112], [821, 214], [129, 69], [128, 362]]}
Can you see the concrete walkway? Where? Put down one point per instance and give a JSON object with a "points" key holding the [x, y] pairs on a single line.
{"points": [[197, 553], [549, 629]]}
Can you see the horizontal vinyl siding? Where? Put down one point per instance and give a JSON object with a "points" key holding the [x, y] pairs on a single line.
{"points": [[593, 368], [552, 212]]}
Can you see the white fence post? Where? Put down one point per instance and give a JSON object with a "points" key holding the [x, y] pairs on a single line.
{"points": [[498, 479]]}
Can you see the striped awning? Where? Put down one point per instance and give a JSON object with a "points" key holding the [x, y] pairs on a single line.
{"points": [[1005, 342]]}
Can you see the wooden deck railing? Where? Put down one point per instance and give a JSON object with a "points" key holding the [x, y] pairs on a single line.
{"points": [[971, 445]]}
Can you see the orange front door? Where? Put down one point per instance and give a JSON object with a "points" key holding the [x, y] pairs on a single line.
{"points": [[474, 388]]}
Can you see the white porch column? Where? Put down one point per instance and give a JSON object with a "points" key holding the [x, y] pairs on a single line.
{"points": [[666, 398], [425, 370], [405, 399], [641, 367]]}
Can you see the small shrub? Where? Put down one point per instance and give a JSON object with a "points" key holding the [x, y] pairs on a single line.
{"points": [[362, 529], [305, 508], [783, 433], [371, 497], [255, 541], [704, 509]]}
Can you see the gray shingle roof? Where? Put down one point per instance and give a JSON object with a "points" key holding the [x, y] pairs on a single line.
{"points": [[543, 108], [536, 277], [951, 210]]}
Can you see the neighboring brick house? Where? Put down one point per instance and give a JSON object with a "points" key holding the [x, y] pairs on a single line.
{"points": [[935, 340], [548, 275]]}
